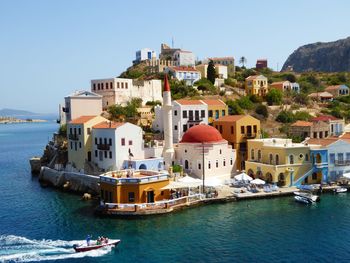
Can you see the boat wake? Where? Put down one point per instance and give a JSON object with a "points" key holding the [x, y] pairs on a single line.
{"points": [[21, 249]]}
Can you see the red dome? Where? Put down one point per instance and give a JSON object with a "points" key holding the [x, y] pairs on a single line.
{"points": [[201, 133]]}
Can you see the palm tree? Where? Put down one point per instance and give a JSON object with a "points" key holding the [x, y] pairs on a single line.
{"points": [[242, 61]]}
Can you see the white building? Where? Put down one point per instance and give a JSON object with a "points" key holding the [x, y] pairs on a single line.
{"points": [[219, 157], [285, 86], [188, 74], [220, 70], [144, 54], [185, 114], [184, 58], [120, 90], [113, 143], [80, 103]]}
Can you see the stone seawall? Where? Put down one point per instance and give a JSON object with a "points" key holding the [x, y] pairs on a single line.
{"points": [[70, 181]]}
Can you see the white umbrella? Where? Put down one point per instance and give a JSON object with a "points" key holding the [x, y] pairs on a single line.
{"points": [[189, 179], [257, 181], [213, 182], [243, 177]]}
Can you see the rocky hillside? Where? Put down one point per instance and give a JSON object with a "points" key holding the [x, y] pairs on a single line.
{"points": [[322, 57]]}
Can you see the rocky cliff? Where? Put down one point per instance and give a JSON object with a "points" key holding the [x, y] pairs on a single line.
{"points": [[323, 57]]}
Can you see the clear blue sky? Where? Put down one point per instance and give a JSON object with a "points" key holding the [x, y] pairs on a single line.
{"points": [[51, 48]]}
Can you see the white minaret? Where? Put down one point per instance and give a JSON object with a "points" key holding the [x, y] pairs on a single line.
{"points": [[167, 108]]}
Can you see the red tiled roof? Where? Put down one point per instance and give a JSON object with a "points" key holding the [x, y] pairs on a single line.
{"points": [[323, 142], [184, 69], [108, 125], [325, 118], [189, 102], [334, 87], [302, 124], [82, 119], [324, 94], [231, 118], [254, 77], [214, 102], [345, 135]]}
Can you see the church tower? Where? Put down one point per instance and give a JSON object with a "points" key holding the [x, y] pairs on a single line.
{"points": [[168, 150]]}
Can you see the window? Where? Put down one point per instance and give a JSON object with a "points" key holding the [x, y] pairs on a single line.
{"points": [[95, 153], [79, 144], [217, 164], [199, 166], [75, 130], [107, 85], [105, 141], [340, 157], [100, 140], [231, 129], [131, 196], [184, 128], [122, 84], [277, 159], [348, 156], [110, 141], [315, 134], [314, 176], [110, 155], [231, 161], [202, 113], [220, 151], [259, 155], [326, 134], [123, 141], [223, 112], [175, 127], [224, 162], [111, 85], [242, 129], [255, 129], [75, 146], [71, 145], [209, 165], [94, 88], [130, 142], [216, 114], [95, 140], [210, 113], [105, 154], [117, 85], [101, 85], [126, 85], [271, 158], [332, 158], [89, 131], [175, 112], [70, 130], [252, 154], [291, 159], [98, 86], [184, 114]]}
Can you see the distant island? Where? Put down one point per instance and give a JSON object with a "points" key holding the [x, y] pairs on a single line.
{"points": [[22, 116]]}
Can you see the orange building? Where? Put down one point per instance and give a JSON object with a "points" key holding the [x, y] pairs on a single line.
{"points": [[134, 187], [237, 129]]}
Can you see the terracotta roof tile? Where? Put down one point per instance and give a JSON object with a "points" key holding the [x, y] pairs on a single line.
{"points": [[231, 118], [325, 118], [82, 119], [345, 135], [184, 69], [214, 102], [324, 94], [190, 102], [108, 125], [302, 124], [323, 142], [334, 87]]}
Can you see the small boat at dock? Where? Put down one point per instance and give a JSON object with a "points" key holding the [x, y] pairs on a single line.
{"points": [[302, 199], [308, 195], [96, 245], [339, 190]]}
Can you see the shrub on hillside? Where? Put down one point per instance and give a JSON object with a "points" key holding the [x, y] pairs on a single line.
{"points": [[285, 117], [245, 103], [262, 110], [274, 97], [234, 108], [302, 116], [255, 99]]}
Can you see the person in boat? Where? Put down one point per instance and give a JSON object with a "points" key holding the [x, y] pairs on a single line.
{"points": [[88, 239]]}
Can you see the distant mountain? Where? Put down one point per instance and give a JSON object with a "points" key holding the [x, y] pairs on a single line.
{"points": [[26, 114], [323, 57]]}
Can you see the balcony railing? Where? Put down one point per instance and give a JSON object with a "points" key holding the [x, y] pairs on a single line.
{"points": [[195, 120], [73, 137], [103, 147], [341, 162]]}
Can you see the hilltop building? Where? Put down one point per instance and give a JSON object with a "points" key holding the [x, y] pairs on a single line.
{"points": [[256, 85], [261, 64], [80, 103], [338, 90], [189, 74], [184, 58], [120, 90], [229, 62], [221, 70], [321, 96], [144, 54], [285, 86], [237, 129], [335, 125]]}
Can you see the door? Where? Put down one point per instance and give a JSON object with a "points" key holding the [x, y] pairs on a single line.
{"points": [[150, 197]]}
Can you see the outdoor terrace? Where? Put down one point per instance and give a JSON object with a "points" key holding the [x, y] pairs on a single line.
{"points": [[131, 176]]}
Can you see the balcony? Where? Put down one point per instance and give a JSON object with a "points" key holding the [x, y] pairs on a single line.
{"points": [[73, 137], [103, 147], [194, 120], [250, 135], [341, 162]]}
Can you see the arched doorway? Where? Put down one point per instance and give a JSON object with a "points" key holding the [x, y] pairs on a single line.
{"points": [[186, 164], [281, 179], [143, 167], [251, 173], [268, 178]]}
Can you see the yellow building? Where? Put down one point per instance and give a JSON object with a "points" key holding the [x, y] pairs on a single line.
{"points": [[236, 129], [134, 187], [216, 109], [277, 160], [79, 140], [256, 85]]}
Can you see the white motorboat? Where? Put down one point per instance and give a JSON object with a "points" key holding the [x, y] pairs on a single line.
{"points": [[340, 190], [310, 196], [302, 199]]}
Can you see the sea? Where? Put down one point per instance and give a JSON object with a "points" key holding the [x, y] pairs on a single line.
{"points": [[42, 224]]}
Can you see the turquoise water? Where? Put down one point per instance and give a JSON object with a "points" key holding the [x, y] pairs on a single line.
{"points": [[271, 230]]}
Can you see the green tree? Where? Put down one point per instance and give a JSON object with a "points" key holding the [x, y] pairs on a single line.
{"points": [[234, 108], [211, 72], [285, 117], [274, 97], [262, 110], [62, 131], [290, 77], [302, 116], [245, 103]]}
